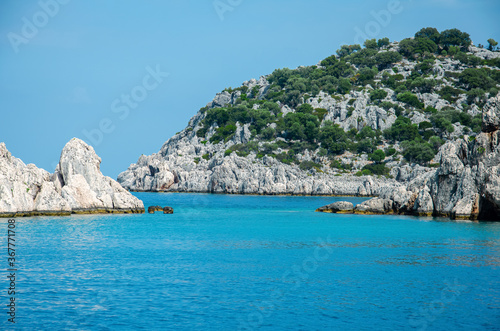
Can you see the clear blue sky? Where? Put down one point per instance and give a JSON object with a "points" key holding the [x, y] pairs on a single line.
{"points": [[65, 68]]}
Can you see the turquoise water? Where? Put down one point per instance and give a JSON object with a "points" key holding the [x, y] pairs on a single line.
{"points": [[229, 262]]}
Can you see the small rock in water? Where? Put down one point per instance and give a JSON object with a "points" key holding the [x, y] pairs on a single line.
{"points": [[340, 207], [152, 209], [168, 210]]}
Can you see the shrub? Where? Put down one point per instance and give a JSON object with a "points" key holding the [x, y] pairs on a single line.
{"points": [[454, 37], [377, 156], [383, 42], [385, 59], [206, 156], [417, 151], [431, 33], [476, 78], [371, 43], [410, 99], [378, 94], [308, 165], [333, 138], [449, 93], [402, 129], [390, 151], [376, 169]]}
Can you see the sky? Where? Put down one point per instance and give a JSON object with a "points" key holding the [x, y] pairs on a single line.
{"points": [[126, 75]]}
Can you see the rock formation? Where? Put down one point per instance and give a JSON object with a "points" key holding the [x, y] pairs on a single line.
{"points": [[465, 186], [77, 186]]}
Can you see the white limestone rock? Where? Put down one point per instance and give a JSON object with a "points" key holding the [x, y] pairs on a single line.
{"points": [[76, 185]]}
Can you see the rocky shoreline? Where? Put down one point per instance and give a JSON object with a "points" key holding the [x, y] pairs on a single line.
{"points": [[465, 187], [76, 187]]}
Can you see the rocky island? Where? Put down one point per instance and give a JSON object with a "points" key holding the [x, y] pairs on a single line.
{"points": [[411, 122], [76, 187]]}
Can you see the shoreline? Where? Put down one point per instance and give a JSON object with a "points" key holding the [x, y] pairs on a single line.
{"points": [[99, 211], [263, 194]]}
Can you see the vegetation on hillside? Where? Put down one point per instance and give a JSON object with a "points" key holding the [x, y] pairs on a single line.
{"points": [[372, 68]]}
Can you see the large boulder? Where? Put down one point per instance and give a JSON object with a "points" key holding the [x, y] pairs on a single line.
{"points": [[77, 186]]}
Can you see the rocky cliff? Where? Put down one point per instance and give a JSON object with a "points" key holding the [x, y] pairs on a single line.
{"points": [[76, 186], [465, 186], [367, 121]]}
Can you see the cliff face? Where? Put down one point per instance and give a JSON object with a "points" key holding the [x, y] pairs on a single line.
{"points": [[77, 186], [316, 130], [465, 186], [189, 163]]}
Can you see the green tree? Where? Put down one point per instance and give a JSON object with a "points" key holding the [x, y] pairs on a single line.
{"points": [[385, 59], [377, 156], [280, 76], [492, 44], [454, 37], [329, 61], [378, 94], [417, 151], [410, 99], [344, 86], [333, 138], [476, 78], [348, 49], [383, 42], [371, 43], [402, 129], [431, 33]]}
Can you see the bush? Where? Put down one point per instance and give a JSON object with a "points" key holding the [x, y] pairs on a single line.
{"points": [[402, 129], [301, 126], [390, 151], [417, 151], [476, 78], [454, 37], [385, 59], [410, 99], [383, 42], [378, 95], [371, 43], [308, 165], [333, 138], [377, 156], [376, 169], [410, 47], [430, 33], [449, 93]]}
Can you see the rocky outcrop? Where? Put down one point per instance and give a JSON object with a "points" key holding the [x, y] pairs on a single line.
{"points": [[340, 207], [239, 175], [188, 163], [465, 186], [77, 186]]}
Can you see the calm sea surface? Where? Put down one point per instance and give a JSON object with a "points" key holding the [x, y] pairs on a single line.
{"points": [[229, 262]]}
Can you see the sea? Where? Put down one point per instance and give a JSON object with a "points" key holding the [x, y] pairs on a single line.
{"points": [[243, 262]]}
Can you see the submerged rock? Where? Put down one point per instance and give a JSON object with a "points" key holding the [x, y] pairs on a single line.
{"points": [[77, 186]]}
